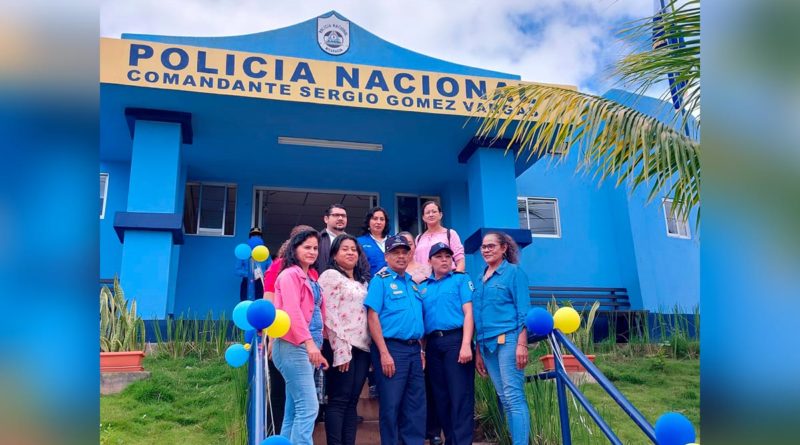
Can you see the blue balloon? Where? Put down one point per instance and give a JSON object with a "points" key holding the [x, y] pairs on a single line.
{"points": [[539, 321], [242, 251], [276, 440], [240, 315], [248, 336], [674, 429], [261, 314], [236, 355], [255, 241]]}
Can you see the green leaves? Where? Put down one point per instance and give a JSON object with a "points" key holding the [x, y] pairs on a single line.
{"points": [[614, 141], [121, 329]]}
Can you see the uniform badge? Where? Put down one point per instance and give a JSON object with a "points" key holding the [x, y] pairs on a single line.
{"points": [[423, 291], [415, 288], [393, 286], [471, 286]]}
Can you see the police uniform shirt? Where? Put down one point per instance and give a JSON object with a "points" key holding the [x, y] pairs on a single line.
{"points": [[396, 300], [443, 301]]}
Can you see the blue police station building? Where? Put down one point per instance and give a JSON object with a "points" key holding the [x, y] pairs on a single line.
{"points": [[205, 137]]}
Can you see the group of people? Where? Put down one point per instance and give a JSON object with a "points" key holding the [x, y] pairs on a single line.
{"points": [[403, 305]]}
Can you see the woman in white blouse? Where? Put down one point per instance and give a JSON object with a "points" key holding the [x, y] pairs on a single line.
{"points": [[344, 286]]}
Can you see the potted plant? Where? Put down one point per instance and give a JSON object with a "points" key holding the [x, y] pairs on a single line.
{"points": [[583, 339], [121, 332]]}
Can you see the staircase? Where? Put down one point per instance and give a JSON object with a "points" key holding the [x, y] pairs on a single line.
{"points": [[368, 432]]}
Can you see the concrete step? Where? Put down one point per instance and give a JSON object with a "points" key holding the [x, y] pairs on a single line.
{"points": [[368, 433], [369, 409]]}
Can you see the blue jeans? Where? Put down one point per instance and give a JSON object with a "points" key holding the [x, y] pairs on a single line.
{"points": [[509, 382], [301, 393]]}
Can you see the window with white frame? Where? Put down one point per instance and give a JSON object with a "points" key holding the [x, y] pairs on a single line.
{"points": [[209, 209], [103, 194], [677, 227], [540, 216]]}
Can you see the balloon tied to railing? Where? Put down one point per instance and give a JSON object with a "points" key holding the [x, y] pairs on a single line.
{"points": [[255, 316], [540, 323], [671, 428]]}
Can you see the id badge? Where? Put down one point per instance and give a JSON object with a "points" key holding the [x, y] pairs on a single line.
{"points": [[501, 339]]}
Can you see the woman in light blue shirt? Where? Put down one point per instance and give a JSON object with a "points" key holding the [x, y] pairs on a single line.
{"points": [[500, 304]]}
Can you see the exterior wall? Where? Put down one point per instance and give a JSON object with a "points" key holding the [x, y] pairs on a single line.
{"points": [[206, 276], [611, 237], [594, 249], [116, 200], [668, 268]]}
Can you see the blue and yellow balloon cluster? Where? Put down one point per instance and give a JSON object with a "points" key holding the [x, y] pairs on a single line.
{"points": [[255, 316], [540, 323]]}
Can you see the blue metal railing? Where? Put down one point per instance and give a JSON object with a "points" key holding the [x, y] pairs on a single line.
{"points": [[563, 382], [256, 393]]}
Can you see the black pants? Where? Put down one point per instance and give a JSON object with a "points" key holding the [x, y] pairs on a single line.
{"points": [[258, 289], [452, 387], [343, 390], [277, 399]]}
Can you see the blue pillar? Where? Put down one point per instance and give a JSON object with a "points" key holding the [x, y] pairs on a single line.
{"points": [[492, 189], [492, 192], [152, 226]]}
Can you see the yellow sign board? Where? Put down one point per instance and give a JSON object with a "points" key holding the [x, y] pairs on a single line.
{"points": [[236, 73]]}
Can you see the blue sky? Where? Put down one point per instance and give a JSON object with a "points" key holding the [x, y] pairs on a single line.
{"points": [[556, 41]]}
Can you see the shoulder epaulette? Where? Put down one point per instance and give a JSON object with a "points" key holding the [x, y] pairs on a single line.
{"points": [[384, 274]]}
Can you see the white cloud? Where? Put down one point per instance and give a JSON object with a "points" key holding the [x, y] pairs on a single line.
{"points": [[558, 41]]}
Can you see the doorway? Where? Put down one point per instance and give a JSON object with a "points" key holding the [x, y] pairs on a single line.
{"points": [[278, 210]]}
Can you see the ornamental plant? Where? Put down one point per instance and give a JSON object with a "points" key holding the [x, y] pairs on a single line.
{"points": [[121, 329]]}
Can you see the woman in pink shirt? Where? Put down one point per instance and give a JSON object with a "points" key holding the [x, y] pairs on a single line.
{"points": [[277, 387], [435, 233], [344, 285], [297, 354]]}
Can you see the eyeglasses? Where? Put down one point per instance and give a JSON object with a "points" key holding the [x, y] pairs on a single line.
{"points": [[338, 215], [489, 246]]}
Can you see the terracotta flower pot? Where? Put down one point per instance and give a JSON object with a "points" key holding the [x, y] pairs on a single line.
{"points": [[130, 361], [570, 363]]}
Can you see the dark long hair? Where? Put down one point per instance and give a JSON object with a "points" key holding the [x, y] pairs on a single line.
{"points": [[289, 256], [512, 250], [359, 274], [370, 214]]}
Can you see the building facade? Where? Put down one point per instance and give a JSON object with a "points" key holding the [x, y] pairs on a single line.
{"points": [[203, 138]]}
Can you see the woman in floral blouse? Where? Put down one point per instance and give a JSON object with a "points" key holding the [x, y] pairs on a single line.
{"points": [[344, 285]]}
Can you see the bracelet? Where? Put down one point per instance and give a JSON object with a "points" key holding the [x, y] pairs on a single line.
{"points": [[523, 345]]}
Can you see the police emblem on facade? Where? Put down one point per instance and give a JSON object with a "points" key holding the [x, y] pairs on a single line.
{"points": [[333, 35]]}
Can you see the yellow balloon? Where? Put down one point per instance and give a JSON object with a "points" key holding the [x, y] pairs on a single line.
{"points": [[260, 253], [566, 320], [280, 326]]}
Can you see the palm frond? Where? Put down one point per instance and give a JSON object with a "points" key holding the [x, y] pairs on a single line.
{"points": [[666, 45], [613, 141]]}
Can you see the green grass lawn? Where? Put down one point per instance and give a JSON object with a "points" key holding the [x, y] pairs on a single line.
{"points": [[654, 385], [186, 400]]}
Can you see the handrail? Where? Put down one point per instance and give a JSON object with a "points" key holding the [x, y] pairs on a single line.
{"points": [[256, 395], [563, 381]]}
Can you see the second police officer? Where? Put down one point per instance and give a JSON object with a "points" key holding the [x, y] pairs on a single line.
{"points": [[395, 323], [447, 306]]}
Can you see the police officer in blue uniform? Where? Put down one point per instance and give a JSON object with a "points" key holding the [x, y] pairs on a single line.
{"points": [[447, 310], [395, 322]]}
